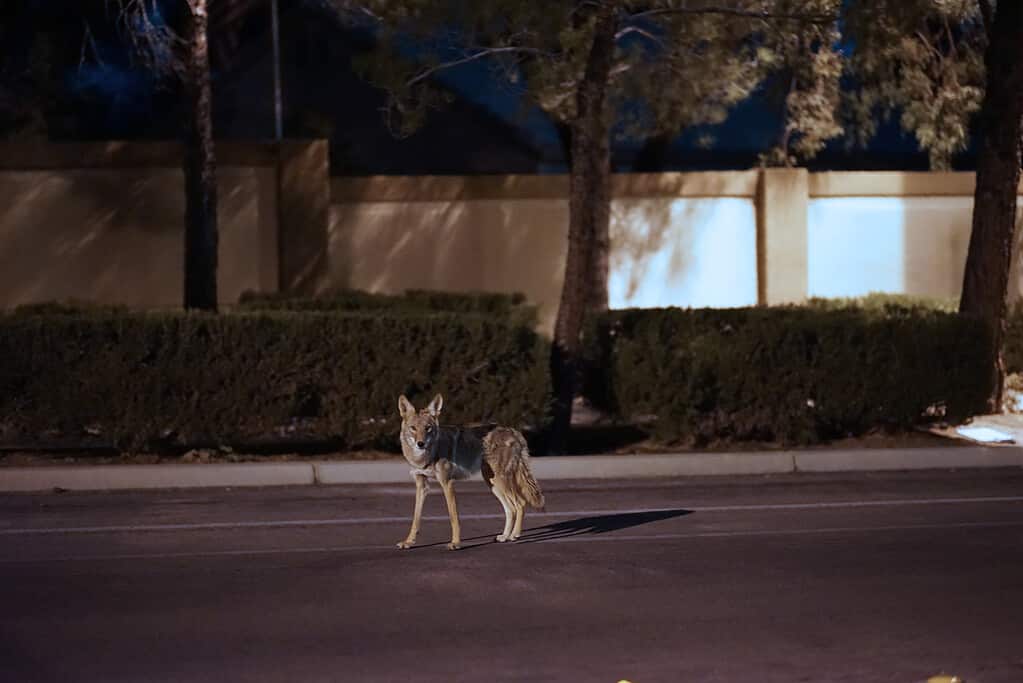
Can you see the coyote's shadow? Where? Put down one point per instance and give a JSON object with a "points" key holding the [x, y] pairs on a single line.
{"points": [[598, 524]]}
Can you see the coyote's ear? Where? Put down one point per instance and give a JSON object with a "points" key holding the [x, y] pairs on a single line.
{"points": [[435, 405], [405, 408]]}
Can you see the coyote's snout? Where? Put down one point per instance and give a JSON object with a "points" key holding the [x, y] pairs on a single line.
{"points": [[451, 453]]}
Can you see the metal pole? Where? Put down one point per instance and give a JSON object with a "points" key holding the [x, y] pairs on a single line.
{"points": [[278, 103], [278, 136]]}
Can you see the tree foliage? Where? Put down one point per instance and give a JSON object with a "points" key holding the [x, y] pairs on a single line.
{"points": [[677, 63], [810, 81], [921, 59], [26, 88]]}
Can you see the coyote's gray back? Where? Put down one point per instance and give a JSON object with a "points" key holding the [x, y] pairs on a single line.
{"points": [[463, 447]]}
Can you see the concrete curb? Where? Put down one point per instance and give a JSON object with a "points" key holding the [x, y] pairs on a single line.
{"points": [[109, 477], [106, 477], [662, 465], [907, 459]]}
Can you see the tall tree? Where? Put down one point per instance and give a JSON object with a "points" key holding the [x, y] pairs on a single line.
{"points": [[940, 63], [602, 67], [183, 54], [986, 279], [26, 83]]}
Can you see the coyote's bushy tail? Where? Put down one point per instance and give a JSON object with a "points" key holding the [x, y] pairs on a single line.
{"points": [[506, 452], [526, 485]]}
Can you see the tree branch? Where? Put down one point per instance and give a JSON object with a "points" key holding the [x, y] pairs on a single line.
{"points": [[155, 43], [483, 53], [642, 32], [736, 12]]}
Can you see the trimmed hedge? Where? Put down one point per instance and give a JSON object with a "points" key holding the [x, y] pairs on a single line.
{"points": [[882, 301], [1012, 343], [174, 378], [511, 308], [797, 375]]}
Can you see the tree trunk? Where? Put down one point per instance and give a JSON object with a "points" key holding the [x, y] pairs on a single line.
{"points": [[589, 214], [600, 246], [200, 168], [985, 281]]}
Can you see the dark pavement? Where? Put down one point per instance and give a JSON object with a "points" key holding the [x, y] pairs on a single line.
{"points": [[884, 577]]}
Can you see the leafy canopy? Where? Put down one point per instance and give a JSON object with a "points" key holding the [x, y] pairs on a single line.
{"points": [[922, 59], [677, 63]]}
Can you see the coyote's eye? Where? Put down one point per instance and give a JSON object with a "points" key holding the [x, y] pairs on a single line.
{"points": [[429, 429]]}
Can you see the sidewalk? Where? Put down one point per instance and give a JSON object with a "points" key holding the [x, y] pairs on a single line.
{"points": [[109, 477]]}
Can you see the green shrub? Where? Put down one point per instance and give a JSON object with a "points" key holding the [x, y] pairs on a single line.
{"points": [[797, 375], [1012, 344], [67, 307], [511, 308], [143, 379], [879, 301]]}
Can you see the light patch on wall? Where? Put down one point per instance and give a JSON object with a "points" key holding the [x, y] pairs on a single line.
{"points": [[914, 245], [683, 252], [854, 246]]}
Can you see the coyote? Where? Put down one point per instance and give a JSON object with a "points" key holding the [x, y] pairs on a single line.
{"points": [[451, 453]]}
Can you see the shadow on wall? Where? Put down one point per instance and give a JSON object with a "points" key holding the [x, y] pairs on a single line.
{"points": [[674, 251], [1016, 270], [935, 239], [666, 250], [479, 244], [116, 236]]}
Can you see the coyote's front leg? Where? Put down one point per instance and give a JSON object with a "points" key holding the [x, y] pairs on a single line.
{"points": [[448, 486], [410, 540]]}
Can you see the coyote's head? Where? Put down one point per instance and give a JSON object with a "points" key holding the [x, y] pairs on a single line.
{"points": [[419, 427]]}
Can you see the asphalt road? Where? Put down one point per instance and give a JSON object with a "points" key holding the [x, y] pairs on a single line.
{"points": [[893, 577]]}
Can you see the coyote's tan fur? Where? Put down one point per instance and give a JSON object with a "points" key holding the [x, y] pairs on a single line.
{"points": [[451, 453]]}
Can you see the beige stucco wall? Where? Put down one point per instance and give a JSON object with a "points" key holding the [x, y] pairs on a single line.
{"points": [[676, 239], [911, 245], [104, 222], [683, 251], [485, 244], [781, 235], [116, 235], [904, 233], [665, 251]]}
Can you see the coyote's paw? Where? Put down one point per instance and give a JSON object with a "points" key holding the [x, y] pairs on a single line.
{"points": [[513, 537], [406, 544], [500, 538], [454, 546]]}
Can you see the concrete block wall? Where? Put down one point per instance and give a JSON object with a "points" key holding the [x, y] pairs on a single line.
{"points": [[103, 222]]}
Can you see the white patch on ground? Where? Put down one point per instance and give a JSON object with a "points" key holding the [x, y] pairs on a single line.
{"points": [[984, 434]]}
